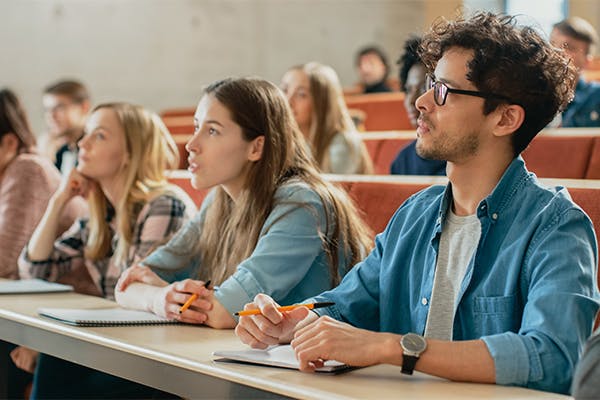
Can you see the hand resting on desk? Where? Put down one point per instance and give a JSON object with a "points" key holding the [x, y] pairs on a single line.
{"points": [[314, 340], [141, 289]]}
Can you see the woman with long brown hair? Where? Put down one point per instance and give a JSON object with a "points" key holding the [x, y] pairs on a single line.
{"points": [[271, 223]]}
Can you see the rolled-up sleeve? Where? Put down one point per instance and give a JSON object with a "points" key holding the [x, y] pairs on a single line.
{"points": [[560, 276]]}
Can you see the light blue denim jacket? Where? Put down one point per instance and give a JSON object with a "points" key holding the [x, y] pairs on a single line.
{"points": [[529, 291], [288, 263]]}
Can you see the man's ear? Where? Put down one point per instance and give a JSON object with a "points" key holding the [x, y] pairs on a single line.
{"points": [[256, 148], [510, 119]]}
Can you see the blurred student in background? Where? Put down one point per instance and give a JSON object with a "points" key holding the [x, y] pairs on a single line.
{"points": [[412, 80], [121, 170], [314, 93], [579, 38], [271, 224], [66, 105], [373, 69], [27, 180]]}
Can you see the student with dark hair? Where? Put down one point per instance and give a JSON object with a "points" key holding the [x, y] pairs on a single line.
{"points": [[271, 224], [66, 105], [579, 38], [478, 280], [373, 69], [412, 80], [27, 182]]}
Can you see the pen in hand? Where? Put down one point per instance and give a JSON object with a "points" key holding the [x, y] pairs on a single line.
{"points": [[192, 298], [310, 306]]}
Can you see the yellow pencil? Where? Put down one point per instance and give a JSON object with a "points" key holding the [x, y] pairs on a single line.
{"points": [[192, 298], [310, 306]]}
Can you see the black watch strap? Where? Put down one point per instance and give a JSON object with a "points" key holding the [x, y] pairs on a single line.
{"points": [[408, 364]]}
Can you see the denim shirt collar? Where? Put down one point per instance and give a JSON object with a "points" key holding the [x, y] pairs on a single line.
{"points": [[496, 202]]}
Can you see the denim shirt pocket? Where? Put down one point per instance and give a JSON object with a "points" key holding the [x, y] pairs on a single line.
{"points": [[495, 314]]}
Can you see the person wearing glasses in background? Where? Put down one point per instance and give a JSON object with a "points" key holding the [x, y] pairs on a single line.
{"points": [[579, 38], [412, 79], [66, 106], [490, 278]]}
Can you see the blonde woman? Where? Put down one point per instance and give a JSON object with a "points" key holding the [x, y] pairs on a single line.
{"points": [[121, 170], [315, 95], [271, 224]]}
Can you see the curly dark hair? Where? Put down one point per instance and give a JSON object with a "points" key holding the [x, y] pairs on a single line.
{"points": [[513, 61], [409, 58]]}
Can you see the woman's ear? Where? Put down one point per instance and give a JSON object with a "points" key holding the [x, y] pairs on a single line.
{"points": [[511, 119], [256, 148], [10, 142]]}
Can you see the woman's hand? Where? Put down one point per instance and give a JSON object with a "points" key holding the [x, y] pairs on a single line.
{"points": [[169, 300], [74, 184], [140, 274]]}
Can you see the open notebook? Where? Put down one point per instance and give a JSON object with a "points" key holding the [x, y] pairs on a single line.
{"points": [[103, 317], [25, 286], [275, 356]]}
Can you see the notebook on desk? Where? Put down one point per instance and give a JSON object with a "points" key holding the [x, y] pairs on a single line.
{"points": [[276, 356], [27, 286], [103, 317]]}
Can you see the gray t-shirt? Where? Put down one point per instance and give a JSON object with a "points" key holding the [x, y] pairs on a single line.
{"points": [[458, 242]]}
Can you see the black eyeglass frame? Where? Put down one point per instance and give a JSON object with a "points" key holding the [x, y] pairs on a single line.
{"points": [[431, 83]]}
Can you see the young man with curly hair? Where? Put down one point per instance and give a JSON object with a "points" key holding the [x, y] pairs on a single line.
{"points": [[490, 278]]}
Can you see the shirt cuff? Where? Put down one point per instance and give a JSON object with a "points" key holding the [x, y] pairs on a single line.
{"points": [[511, 358], [237, 291], [330, 311]]}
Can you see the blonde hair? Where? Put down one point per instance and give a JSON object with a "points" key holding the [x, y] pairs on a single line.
{"points": [[231, 230], [151, 150], [331, 117]]}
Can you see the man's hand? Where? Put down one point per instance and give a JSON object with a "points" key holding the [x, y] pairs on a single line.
{"points": [[270, 326], [329, 339]]}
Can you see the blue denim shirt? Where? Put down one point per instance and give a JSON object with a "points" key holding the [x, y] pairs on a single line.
{"points": [[584, 110], [529, 291]]}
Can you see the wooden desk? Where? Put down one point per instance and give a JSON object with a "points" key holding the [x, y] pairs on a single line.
{"points": [[178, 359]]}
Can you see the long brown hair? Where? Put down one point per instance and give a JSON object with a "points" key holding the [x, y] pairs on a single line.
{"points": [[151, 151], [14, 120], [232, 230], [331, 117]]}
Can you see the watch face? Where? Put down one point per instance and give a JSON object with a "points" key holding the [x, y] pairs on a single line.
{"points": [[413, 343]]}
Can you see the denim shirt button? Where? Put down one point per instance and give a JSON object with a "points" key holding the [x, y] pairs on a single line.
{"points": [[424, 301], [438, 221], [494, 216]]}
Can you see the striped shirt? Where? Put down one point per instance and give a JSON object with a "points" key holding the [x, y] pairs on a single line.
{"points": [[156, 222]]}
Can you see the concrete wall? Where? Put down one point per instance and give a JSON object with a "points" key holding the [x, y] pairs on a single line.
{"points": [[160, 53]]}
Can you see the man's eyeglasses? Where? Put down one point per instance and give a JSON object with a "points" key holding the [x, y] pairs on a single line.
{"points": [[441, 90]]}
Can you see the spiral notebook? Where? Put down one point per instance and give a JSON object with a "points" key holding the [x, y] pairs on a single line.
{"points": [[103, 317], [276, 356]]}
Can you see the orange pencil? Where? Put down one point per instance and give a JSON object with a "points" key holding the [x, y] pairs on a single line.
{"points": [[310, 306], [192, 298]]}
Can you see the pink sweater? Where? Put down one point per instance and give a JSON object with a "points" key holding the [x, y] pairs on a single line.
{"points": [[25, 188]]}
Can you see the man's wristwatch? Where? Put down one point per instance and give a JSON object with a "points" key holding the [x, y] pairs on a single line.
{"points": [[413, 346]]}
